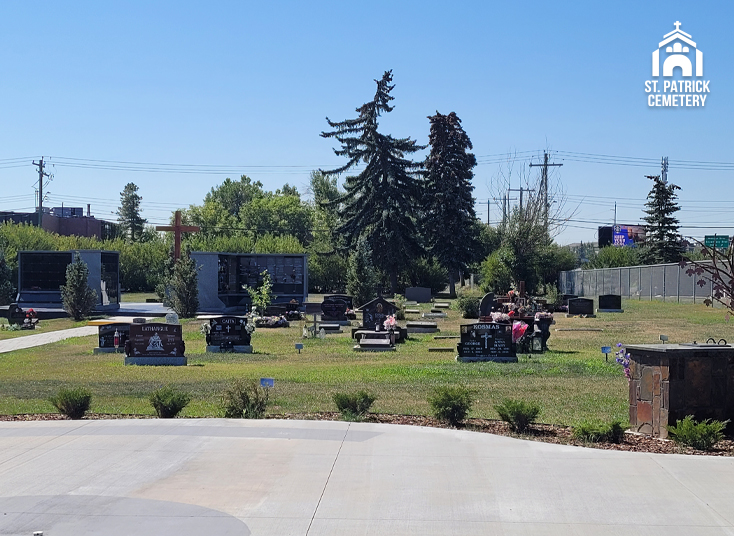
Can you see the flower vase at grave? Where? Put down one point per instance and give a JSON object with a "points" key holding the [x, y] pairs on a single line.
{"points": [[377, 327], [392, 337]]}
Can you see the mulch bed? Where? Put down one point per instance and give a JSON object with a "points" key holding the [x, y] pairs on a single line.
{"points": [[547, 433]]}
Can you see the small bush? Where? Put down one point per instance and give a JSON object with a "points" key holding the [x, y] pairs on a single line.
{"points": [[468, 305], [73, 403], [354, 406], [451, 403], [518, 413], [168, 401], [596, 432], [246, 400], [699, 435]]}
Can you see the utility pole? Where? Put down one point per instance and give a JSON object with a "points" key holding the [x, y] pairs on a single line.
{"points": [[544, 184], [664, 169], [521, 190], [41, 176], [488, 201]]}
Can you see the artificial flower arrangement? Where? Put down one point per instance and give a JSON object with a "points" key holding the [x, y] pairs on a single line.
{"points": [[390, 322], [499, 317], [518, 330]]}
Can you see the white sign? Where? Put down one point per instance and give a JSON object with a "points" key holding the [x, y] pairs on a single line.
{"points": [[678, 55]]}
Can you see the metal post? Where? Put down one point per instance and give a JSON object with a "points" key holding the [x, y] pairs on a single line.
{"points": [[694, 290], [629, 283], [677, 292], [639, 285], [664, 289], [651, 274]]}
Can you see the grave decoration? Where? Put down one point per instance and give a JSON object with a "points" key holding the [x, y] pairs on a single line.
{"points": [[293, 310], [610, 303], [275, 321], [349, 300], [374, 315], [229, 333], [487, 305], [487, 341], [155, 344], [112, 336]]}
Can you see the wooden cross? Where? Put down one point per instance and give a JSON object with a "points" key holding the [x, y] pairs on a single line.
{"points": [[177, 229]]}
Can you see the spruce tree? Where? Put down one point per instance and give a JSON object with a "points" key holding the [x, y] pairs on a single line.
{"points": [[182, 290], [663, 241], [362, 277], [129, 213], [77, 296], [7, 290], [379, 203], [448, 210]]}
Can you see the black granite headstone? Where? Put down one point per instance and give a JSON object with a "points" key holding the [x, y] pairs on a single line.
{"points": [[486, 341], [349, 300], [228, 330], [610, 302], [333, 309], [107, 335], [155, 340], [566, 297], [581, 306], [486, 305], [375, 312]]}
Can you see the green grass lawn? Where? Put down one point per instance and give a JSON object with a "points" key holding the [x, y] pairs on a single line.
{"points": [[138, 297], [572, 382], [44, 326]]}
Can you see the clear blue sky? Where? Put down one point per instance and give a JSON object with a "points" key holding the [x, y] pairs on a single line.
{"points": [[244, 87]]}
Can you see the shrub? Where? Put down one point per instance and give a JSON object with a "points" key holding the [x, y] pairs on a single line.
{"points": [[79, 299], [468, 305], [73, 403], [182, 287], [518, 413], [168, 401], [354, 406], [496, 276], [451, 403], [701, 435], [399, 300], [596, 431], [246, 400]]}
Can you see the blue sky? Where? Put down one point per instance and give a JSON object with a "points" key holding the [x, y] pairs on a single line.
{"points": [[244, 87]]}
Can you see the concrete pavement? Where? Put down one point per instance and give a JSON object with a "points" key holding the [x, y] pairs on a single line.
{"points": [[188, 477], [39, 339]]}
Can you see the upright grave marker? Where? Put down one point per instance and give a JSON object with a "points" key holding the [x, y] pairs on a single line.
{"points": [[155, 344], [486, 341], [610, 303], [229, 333]]}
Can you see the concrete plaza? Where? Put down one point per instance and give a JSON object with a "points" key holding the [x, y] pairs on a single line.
{"points": [[188, 477]]}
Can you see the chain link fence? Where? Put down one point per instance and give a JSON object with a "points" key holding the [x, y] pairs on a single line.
{"points": [[666, 282]]}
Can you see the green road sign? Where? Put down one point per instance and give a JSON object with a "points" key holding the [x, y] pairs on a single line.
{"points": [[716, 241]]}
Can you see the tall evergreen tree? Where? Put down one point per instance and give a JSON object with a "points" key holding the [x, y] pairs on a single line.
{"points": [[448, 209], [379, 203], [77, 296], [129, 213], [663, 240]]}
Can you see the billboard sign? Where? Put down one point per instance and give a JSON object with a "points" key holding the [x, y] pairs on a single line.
{"points": [[628, 235]]}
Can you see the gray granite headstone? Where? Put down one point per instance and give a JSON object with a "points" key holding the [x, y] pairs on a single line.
{"points": [[418, 294]]}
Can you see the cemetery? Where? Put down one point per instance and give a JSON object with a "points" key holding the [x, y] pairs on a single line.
{"points": [[491, 361]]}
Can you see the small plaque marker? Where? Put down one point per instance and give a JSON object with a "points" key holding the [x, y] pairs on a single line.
{"points": [[267, 383], [606, 350], [299, 346]]}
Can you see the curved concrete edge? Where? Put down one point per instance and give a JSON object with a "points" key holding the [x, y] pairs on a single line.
{"points": [[329, 477]]}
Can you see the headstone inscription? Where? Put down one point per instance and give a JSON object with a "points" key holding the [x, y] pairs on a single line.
{"points": [[610, 303], [155, 344], [375, 312], [333, 309], [581, 306], [486, 341], [228, 333], [107, 337]]}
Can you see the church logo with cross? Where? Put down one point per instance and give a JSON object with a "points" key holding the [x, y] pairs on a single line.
{"points": [[677, 71]]}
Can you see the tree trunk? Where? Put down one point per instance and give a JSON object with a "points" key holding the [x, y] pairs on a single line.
{"points": [[452, 284]]}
